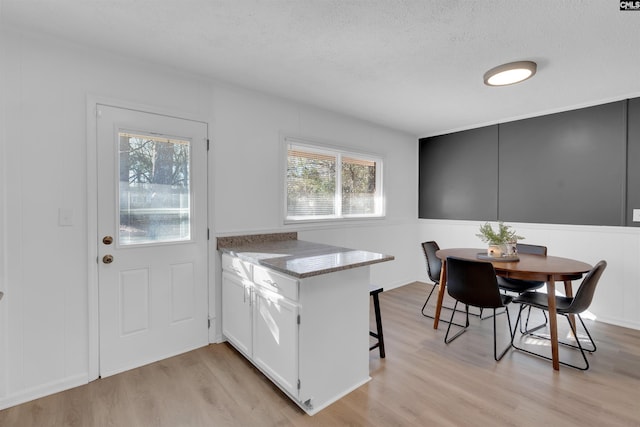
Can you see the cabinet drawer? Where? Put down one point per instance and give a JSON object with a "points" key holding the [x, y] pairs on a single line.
{"points": [[276, 282], [237, 266]]}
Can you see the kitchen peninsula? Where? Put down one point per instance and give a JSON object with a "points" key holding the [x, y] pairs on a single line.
{"points": [[299, 311]]}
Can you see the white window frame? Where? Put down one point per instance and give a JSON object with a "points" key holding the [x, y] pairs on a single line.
{"points": [[339, 152]]}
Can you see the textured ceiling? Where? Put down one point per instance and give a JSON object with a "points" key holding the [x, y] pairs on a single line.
{"points": [[415, 65]]}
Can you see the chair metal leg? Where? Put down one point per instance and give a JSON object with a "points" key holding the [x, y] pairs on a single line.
{"points": [[582, 350], [444, 306], [566, 344], [528, 330], [513, 333], [497, 357], [495, 340], [489, 316], [575, 334], [593, 344], [447, 340], [427, 301]]}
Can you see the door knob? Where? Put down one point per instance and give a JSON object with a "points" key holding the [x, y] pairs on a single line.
{"points": [[107, 259], [107, 240]]}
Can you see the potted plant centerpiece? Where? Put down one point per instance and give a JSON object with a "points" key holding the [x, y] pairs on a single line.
{"points": [[502, 242]]}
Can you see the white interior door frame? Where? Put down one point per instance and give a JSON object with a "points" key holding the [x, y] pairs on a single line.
{"points": [[92, 218]]}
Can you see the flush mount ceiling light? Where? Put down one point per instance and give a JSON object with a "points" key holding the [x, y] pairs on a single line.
{"points": [[508, 74]]}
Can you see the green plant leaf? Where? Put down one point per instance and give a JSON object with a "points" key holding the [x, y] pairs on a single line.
{"points": [[505, 234]]}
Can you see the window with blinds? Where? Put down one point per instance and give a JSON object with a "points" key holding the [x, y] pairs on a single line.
{"points": [[324, 183]]}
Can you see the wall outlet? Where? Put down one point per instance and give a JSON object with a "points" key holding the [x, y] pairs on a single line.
{"points": [[636, 215]]}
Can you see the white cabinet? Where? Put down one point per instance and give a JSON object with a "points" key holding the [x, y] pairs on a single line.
{"points": [[261, 321], [275, 338], [276, 282], [309, 336], [236, 312]]}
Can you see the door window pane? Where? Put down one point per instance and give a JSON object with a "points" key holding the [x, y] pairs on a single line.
{"points": [[154, 189]]}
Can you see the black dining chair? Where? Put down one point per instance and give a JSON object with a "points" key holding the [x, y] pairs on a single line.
{"points": [[434, 267], [565, 306], [519, 286], [473, 283]]}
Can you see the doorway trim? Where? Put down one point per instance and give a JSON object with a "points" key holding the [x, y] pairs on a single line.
{"points": [[93, 326]]}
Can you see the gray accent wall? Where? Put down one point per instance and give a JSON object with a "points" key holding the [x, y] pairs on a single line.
{"points": [[564, 168], [459, 174], [633, 161]]}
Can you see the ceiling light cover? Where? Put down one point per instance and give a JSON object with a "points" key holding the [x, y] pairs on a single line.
{"points": [[508, 74]]}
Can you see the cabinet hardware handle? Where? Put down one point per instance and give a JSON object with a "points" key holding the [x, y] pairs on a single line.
{"points": [[271, 282]]}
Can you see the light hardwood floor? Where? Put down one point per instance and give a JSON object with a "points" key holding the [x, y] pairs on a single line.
{"points": [[422, 382]]}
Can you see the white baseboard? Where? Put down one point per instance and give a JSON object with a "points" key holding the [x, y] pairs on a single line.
{"points": [[619, 322], [315, 410], [44, 390]]}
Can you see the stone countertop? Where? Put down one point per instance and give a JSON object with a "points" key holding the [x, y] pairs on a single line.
{"points": [[301, 259]]}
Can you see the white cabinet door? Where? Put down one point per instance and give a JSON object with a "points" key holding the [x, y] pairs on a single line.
{"points": [[275, 338], [236, 312]]}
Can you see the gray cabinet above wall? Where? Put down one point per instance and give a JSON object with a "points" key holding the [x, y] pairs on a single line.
{"points": [[564, 168]]}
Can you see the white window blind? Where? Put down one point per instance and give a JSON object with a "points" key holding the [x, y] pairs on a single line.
{"points": [[324, 183]]}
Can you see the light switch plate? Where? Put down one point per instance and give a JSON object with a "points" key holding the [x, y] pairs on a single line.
{"points": [[636, 215], [65, 217]]}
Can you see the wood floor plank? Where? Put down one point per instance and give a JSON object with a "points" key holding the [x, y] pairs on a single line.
{"points": [[422, 382]]}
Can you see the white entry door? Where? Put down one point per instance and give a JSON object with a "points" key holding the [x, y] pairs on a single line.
{"points": [[152, 237]]}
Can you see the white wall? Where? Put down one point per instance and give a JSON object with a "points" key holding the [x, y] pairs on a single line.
{"points": [[45, 269], [617, 298], [246, 134], [44, 329]]}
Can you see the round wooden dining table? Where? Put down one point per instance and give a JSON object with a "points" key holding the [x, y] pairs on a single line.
{"points": [[549, 269]]}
